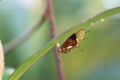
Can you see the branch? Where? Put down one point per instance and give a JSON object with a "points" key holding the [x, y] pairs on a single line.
{"points": [[54, 33], [17, 41]]}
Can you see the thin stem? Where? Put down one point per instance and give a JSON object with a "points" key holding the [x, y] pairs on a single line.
{"points": [[17, 41], [54, 33]]}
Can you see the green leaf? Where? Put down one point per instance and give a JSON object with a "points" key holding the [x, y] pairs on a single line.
{"points": [[30, 61]]}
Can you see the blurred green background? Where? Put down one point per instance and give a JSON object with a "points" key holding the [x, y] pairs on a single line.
{"points": [[100, 58]]}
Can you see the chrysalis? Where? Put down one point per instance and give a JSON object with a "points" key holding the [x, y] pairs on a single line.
{"points": [[72, 41]]}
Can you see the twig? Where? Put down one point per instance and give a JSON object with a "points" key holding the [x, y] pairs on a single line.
{"points": [[53, 30], [17, 41]]}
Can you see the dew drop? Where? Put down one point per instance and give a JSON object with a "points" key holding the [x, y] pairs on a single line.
{"points": [[92, 24], [57, 44], [102, 20]]}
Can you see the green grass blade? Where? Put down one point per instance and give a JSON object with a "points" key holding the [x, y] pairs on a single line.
{"points": [[30, 61]]}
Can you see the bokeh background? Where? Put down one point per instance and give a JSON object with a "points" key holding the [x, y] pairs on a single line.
{"points": [[100, 58]]}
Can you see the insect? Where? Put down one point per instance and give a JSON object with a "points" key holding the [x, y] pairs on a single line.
{"points": [[72, 41]]}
